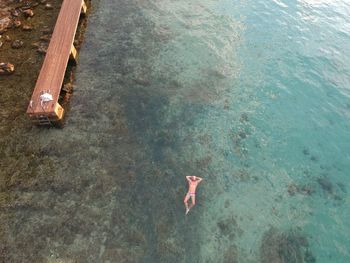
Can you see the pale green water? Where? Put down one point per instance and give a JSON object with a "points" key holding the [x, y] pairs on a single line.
{"points": [[251, 95]]}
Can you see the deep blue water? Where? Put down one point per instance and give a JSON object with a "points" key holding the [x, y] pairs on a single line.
{"points": [[253, 96]]}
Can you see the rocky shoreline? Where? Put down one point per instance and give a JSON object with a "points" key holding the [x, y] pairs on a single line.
{"points": [[16, 16], [25, 32]]}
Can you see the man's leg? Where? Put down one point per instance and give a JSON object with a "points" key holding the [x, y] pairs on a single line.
{"points": [[186, 202], [193, 198]]}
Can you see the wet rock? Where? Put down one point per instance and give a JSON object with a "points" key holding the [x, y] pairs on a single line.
{"points": [[45, 38], [68, 88], [25, 6], [15, 13], [48, 6], [6, 68], [46, 30], [5, 23], [17, 44], [34, 4], [41, 50], [27, 28], [35, 45], [28, 13], [17, 23]]}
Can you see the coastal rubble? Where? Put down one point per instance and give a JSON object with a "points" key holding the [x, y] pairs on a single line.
{"points": [[6, 68]]}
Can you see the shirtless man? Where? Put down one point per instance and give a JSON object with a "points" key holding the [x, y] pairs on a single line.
{"points": [[193, 181]]}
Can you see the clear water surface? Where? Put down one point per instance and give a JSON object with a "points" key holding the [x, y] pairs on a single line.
{"points": [[251, 95]]}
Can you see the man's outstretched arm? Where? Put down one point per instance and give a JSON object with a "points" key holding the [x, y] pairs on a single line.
{"points": [[200, 179], [188, 178]]}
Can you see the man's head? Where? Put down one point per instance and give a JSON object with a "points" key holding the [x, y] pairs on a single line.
{"points": [[193, 178]]}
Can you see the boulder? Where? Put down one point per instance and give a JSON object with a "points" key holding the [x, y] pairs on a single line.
{"points": [[45, 38], [28, 12], [6, 68], [42, 48], [17, 23], [27, 28], [5, 23], [48, 6], [17, 44], [15, 12]]}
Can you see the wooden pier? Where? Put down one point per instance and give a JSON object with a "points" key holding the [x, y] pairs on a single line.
{"points": [[44, 108]]}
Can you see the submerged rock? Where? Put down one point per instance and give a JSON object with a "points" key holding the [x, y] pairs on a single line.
{"points": [[6, 68]]}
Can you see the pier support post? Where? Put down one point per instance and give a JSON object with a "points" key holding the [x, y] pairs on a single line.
{"points": [[73, 54], [83, 8]]}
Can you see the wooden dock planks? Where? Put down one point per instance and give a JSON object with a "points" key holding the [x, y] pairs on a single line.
{"points": [[53, 70]]}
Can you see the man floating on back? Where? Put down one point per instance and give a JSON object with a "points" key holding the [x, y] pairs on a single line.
{"points": [[193, 182]]}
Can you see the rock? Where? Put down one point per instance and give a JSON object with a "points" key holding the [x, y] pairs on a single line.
{"points": [[15, 13], [5, 23], [6, 68], [1, 43], [7, 38], [17, 23], [46, 30], [28, 12], [17, 44], [42, 49], [25, 6], [48, 6], [68, 88], [27, 28], [42, 2], [34, 4], [35, 45], [45, 38]]}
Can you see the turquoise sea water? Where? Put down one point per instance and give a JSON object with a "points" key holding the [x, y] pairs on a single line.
{"points": [[253, 96]]}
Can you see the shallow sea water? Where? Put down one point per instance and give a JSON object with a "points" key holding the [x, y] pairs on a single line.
{"points": [[253, 96]]}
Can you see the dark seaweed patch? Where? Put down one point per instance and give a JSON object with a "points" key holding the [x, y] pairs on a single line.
{"points": [[314, 158], [285, 247], [306, 151], [325, 184]]}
